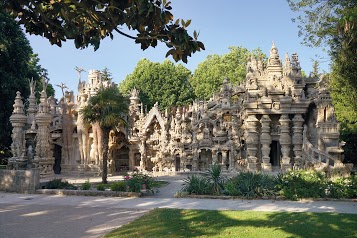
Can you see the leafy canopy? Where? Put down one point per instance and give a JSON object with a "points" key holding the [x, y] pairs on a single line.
{"points": [[17, 65], [88, 22], [163, 82], [209, 74], [107, 108]]}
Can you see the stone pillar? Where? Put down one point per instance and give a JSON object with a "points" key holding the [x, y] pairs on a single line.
{"points": [[297, 140], [18, 149], [43, 159], [285, 142], [214, 158], [131, 159], [252, 142], [265, 141], [142, 151]]}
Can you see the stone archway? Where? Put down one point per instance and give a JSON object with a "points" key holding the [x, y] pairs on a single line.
{"points": [[204, 159]]}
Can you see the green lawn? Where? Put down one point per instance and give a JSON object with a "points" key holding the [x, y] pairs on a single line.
{"points": [[202, 223]]}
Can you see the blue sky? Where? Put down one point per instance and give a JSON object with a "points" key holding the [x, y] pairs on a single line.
{"points": [[250, 24]]}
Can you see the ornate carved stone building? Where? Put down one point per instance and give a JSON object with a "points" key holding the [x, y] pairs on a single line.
{"points": [[275, 119]]}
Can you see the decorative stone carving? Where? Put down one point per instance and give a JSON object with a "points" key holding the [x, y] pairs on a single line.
{"points": [[225, 129], [43, 159], [18, 149], [285, 142], [297, 141]]}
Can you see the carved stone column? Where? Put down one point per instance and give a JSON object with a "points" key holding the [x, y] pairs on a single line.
{"points": [[214, 158], [43, 159], [297, 140], [142, 150], [131, 158], [265, 141], [18, 120], [252, 142], [285, 142]]}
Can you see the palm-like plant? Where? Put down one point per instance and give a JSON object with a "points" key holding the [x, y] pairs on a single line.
{"points": [[215, 178], [106, 108]]}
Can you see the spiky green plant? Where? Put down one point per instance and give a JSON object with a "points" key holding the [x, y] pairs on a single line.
{"points": [[215, 178]]}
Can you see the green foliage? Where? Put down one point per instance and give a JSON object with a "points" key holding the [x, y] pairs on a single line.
{"points": [[59, 184], [88, 22], [164, 83], [107, 108], [196, 184], [101, 187], [17, 65], [311, 184], [86, 185], [118, 186], [210, 73], [295, 185], [342, 187], [138, 181], [215, 178], [251, 185]]}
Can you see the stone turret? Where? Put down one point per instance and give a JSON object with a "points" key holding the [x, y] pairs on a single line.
{"points": [[18, 120], [43, 159]]}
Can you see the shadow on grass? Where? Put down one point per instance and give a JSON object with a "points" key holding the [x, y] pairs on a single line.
{"points": [[204, 223]]}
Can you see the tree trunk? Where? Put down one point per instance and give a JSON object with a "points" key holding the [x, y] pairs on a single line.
{"points": [[105, 155]]}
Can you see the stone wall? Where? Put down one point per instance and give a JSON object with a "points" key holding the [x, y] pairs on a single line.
{"points": [[19, 181]]}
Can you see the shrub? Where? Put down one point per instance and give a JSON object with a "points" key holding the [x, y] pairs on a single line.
{"points": [[214, 177], [118, 186], [86, 185], [100, 187], [196, 184], [251, 185], [299, 184], [342, 187], [138, 181], [59, 184]]}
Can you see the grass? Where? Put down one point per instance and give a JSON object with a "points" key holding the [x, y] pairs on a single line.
{"points": [[203, 223]]}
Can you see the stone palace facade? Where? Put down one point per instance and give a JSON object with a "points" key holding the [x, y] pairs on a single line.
{"points": [[273, 121]]}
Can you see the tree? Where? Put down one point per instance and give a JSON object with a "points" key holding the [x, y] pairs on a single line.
{"points": [[164, 83], [107, 108], [106, 74], [88, 22], [333, 24], [17, 65], [209, 75]]}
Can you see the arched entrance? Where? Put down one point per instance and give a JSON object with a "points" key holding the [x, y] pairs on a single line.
{"points": [[204, 159]]}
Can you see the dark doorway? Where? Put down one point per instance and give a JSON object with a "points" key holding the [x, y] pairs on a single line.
{"points": [[57, 153], [177, 163], [219, 158], [275, 153], [121, 158]]}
